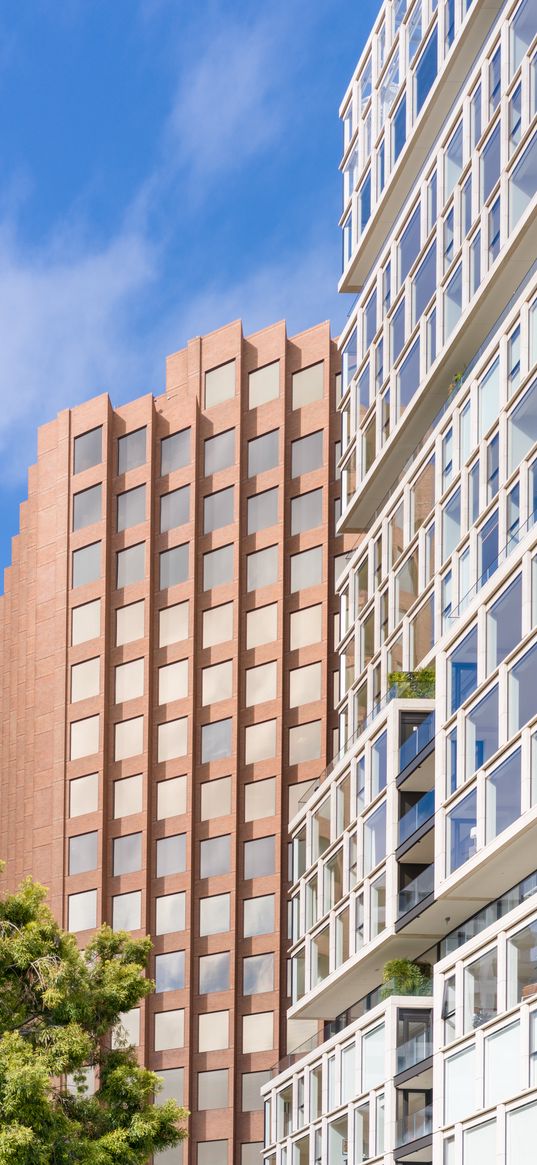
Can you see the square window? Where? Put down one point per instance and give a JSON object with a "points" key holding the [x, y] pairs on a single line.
{"points": [[171, 798], [214, 973], [215, 856], [260, 799], [127, 911], [170, 971], [213, 1031], [87, 507], [261, 683], [263, 510], [169, 1030], [127, 1030], [173, 682], [306, 626], [215, 914], [252, 1083], [215, 798], [131, 508], [305, 685], [172, 1080], [86, 565], [173, 624], [174, 509], [85, 679], [305, 742], [306, 511], [88, 450], [129, 738], [84, 795], [262, 625], [217, 683], [263, 453], [216, 740], [259, 858], [171, 855], [262, 568], [217, 567], [84, 737], [260, 742], [82, 910], [306, 569], [218, 509], [172, 739], [174, 452], [129, 680], [259, 915], [213, 1092], [264, 385], [212, 1153], [219, 384], [308, 385], [127, 854], [251, 1152], [218, 625], [129, 623], [131, 450], [258, 974], [307, 454], [258, 1032], [170, 913], [86, 622], [173, 566], [130, 565], [219, 452], [128, 795], [83, 853]]}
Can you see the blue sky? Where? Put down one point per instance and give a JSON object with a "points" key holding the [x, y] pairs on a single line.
{"points": [[167, 166]]}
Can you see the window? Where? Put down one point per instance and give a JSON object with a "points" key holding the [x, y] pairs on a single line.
{"points": [[83, 853], [262, 568], [462, 831], [87, 507], [424, 284], [172, 1080], [264, 385], [306, 511], [129, 679], [130, 565], [399, 128], [215, 856], [307, 454], [212, 1093], [260, 742], [453, 302], [219, 384], [308, 386], [127, 911], [262, 625], [306, 569], [130, 623], [172, 739], [409, 245], [379, 763], [171, 797], [127, 1029], [169, 1030], [85, 679], [503, 793], [131, 508], [408, 377], [171, 855], [131, 450], [215, 914], [214, 973], [306, 627], [84, 737], [127, 854], [218, 625], [84, 795], [170, 913], [375, 838], [216, 740], [522, 183], [213, 1031], [261, 683], [521, 964], [86, 564], [373, 1055], [305, 742], [263, 453], [129, 738], [480, 1143], [522, 690], [88, 450], [462, 666], [490, 163], [521, 1134], [257, 1032], [263, 510], [217, 682], [258, 974], [482, 731], [426, 70], [259, 857], [453, 160], [219, 452], [82, 910], [85, 622], [481, 990], [174, 452], [522, 428], [173, 566], [212, 1153], [252, 1101], [305, 684], [503, 1062], [173, 681], [215, 798], [260, 799], [217, 567], [174, 509], [128, 794], [460, 1084], [218, 509], [259, 915]]}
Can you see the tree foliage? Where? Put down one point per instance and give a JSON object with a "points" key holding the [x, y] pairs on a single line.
{"points": [[58, 1007]]}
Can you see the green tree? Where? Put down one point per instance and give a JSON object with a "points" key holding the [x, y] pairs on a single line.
{"points": [[58, 1007]]}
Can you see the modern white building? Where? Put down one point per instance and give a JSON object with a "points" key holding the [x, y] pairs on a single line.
{"points": [[413, 905]]}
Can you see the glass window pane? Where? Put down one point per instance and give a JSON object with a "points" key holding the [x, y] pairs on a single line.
{"points": [[86, 564], [215, 856], [305, 742], [85, 679], [263, 453], [305, 627], [503, 795], [260, 799], [306, 511], [219, 384], [504, 624], [481, 990], [127, 911], [215, 914], [173, 566], [307, 454], [128, 795], [373, 1057], [522, 428], [130, 623], [305, 684], [215, 798], [217, 567], [462, 664], [521, 1135], [127, 854], [263, 510], [258, 974], [262, 625], [462, 831], [218, 625], [219, 452], [82, 910], [171, 855], [522, 183], [306, 568], [308, 385], [213, 1093], [84, 737], [503, 1064], [426, 70], [409, 245], [262, 568], [131, 508], [523, 690], [170, 914], [213, 973], [174, 452], [217, 682], [129, 679], [84, 795], [88, 450], [83, 852], [216, 740], [87, 507], [482, 732], [171, 798], [260, 742], [258, 915], [259, 857], [129, 738], [218, 510], [264, 384], [131, 450], [174, 509], [130, 565], [459, 1088]]}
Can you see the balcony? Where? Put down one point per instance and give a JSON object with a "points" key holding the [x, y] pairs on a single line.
{"points": [[421, 735], [415, 817], [414, 1125], [415, 1050], [417, 891]]}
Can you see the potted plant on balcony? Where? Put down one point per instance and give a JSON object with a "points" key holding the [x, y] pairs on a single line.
{"points": [[411, 684], [404, 977]]}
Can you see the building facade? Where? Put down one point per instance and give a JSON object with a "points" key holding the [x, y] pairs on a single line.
{"points": [[413, 903], [168, 645]]}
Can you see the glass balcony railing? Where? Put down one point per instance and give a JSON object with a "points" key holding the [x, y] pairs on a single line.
{"points": [[415, 817], [419, 738], [414, 1125], [416, 891], [419, 1048]]}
